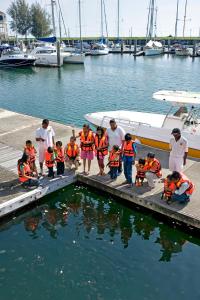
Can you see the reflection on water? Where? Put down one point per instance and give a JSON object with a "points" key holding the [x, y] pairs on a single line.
{"points": [[104, 216]]}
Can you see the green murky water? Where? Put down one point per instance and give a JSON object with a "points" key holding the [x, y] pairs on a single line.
{"points": [[79, 244]]}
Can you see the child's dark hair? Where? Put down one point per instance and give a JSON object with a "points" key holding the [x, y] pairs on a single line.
{"points": [[151, 155], [99, 128], [142, 161], [50, 149], [116, 148], [73, 138], [28, 142], [128, 137], [169, 177], [59, 143]]}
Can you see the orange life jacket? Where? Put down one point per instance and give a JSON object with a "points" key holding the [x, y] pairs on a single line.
{"points": [[114, 159], [31, 152], [169, 188], [154, 167], [72, 152], [128, 149], [87, 142], [49, 159], [191, 187], [141, 173], [59, 154], [27, 171], [101, 143]]}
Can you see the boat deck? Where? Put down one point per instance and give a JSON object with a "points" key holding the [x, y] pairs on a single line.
{"points": [[16, 128]]}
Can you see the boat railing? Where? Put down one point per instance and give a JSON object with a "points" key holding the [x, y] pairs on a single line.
{"points": [[124, 122]]}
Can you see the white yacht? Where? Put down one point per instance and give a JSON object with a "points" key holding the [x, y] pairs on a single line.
{"points": [[73, 58], [14, 58], [99, 49], [155, 129], [46, 56], [182, 51], [153, 48]]}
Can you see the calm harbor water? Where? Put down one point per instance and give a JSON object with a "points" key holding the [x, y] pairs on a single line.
{"points": [[105, 83], [81, 245]]}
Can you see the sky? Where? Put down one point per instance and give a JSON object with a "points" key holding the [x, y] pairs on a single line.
{"points": [[133, 16]]}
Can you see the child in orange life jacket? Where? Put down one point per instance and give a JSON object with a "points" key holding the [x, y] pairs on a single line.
{"points": [[113, 163], [169, 188], [72, 154], [128, 155], [140, 175], [101, 148], [59, 153], [30, 150], [50, 161], [25, 174], [184, 187], [153, 171]]}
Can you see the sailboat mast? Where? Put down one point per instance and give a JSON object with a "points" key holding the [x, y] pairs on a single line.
{"points": [[152, 19], [185, 15], [148, 21], [102, 19], [53, 2], [80, 26], [155, 24], [118, 20], [176, 23]]}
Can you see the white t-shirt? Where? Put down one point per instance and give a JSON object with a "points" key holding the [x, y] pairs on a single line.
{"points": [[115, 137], [178, 148], [45, 134]]}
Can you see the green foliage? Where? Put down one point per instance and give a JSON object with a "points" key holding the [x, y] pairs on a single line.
{"points": [[19, 12], [41, 21], [27, 19]]}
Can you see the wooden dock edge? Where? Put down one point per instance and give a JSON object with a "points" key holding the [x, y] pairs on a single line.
{"points": [[143, 202]]}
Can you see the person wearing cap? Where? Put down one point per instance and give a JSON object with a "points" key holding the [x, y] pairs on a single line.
{"points": [[115, 137], [179, 151]]}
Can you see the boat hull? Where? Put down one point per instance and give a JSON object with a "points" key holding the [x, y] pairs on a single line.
{"points": [[153, 52], [16, 63], [74, 59], [99, 52]]}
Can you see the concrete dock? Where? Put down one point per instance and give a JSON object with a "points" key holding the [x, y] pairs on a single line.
{"points": [[16, 128]]}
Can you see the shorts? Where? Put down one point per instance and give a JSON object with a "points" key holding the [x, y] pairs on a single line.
{"points": [[87, 155]]}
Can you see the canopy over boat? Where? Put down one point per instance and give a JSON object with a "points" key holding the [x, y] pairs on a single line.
{"points": [[178, 97]]}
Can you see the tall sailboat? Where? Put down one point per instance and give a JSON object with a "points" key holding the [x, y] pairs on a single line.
{"points": [[100, 48], [152, 47]]}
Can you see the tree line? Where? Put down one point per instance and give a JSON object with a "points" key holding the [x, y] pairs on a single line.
{"points": [[26, 19]]}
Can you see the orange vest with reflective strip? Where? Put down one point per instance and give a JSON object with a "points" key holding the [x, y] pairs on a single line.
{"points": [[31, 152], [154, 167], [49, 159], [60, 154], [72, 152], [114, 159], [87, 142], [169, 188], [183, 179], [141, 173], [101, 143], [128, 149], [27, 172]]}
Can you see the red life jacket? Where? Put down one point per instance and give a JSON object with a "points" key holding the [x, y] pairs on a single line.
{"points": [[128, 149], [141, 173], [60, 154], [169, 188], [191, 187], [87, 142], [27, 171], [154, 167], [102, 144], [49, 159], [31, 152], [72, 152], [114, 159]]}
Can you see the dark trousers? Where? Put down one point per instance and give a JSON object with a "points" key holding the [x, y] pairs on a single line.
{"points": [[31, 182], [60, 168], [113, 172], [128, 171], [51, 172]]}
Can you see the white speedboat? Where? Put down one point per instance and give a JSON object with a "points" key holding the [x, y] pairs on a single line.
{"points": [[14, 58], [182, 51], [46, 56], [73, 58], [155, 129], [99, 49], [153, 48]]}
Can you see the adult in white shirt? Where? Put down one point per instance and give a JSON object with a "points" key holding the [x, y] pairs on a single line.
{"points": [[116, 136], [179, 151], [45, 138]]}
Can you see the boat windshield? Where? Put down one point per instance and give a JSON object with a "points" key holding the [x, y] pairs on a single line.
{"points": [[193, 117], [46, 51], [11, 52]]}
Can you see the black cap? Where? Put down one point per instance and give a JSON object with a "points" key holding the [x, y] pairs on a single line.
{"points": [[176, 130], [112, 121]]}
